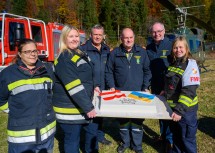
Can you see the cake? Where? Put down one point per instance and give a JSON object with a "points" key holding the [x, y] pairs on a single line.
{"points": [[127, 102]]}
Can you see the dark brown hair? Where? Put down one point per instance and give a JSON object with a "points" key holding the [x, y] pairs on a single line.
{"points": [[21, 44]]}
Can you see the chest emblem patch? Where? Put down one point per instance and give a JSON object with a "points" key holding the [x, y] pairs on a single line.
{"points": [[137, 59], [164, 53]]}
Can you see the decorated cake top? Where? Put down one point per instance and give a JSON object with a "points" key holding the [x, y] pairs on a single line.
{"points": [[141, 96], [135, 95]]}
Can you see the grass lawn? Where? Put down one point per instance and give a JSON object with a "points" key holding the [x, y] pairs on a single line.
{"points": [[205, 134]]}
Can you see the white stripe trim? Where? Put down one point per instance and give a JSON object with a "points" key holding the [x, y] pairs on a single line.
{"points": [[76, 90], [27, 87], [21, 139], [6, 110], [70, 117], [81, 62], [124, 129], [47, 134], [136, 130]]}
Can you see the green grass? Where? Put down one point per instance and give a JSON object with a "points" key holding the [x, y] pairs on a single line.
{"points": [[205, 133]]}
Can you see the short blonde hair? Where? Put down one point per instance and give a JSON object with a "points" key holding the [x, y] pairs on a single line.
{"points": [[187, 54], [62, 42]]}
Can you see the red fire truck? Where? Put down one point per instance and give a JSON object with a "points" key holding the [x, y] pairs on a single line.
{"points": [[13, 28]]}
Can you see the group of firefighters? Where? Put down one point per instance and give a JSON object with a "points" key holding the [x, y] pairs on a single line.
{"points": [[38, 95]]}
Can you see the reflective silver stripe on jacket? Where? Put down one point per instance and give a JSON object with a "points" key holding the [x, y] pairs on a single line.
{"points": [[81, 62], [21, 139], [70, 117], [47, 134], [76, 90], [27, 87]]}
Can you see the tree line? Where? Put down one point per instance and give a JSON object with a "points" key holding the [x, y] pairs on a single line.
{"points": [[112, 14]]}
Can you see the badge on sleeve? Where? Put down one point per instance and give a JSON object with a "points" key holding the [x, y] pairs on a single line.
{"points": [[191, 74]]}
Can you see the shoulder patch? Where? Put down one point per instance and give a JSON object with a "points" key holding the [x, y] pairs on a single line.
{"points": [[191, 75]]}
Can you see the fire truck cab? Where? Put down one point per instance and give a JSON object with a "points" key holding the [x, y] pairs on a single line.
{"points": [[13, 28]]}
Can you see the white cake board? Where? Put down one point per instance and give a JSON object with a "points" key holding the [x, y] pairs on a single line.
{"points": [[163, 109]]}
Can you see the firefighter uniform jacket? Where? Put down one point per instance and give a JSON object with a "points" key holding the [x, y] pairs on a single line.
{"points": [[99, 59], [27, 94], [127, 75], [181, 83], [159, 61], [73, 90]]}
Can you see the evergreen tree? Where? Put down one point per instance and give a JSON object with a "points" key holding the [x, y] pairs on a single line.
{"points": [[142, 16], [90, 14], [133, 15], [118, 15], [126, 20], [212, 12], [43, 14], [106, 9], [80, 12], [19, 7]]}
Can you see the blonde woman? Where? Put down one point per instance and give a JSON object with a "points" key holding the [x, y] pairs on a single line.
{"points": [[73, 92], [182, 80]]}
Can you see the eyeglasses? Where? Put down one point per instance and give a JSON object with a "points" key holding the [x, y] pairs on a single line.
{"points": [[159, 31], [29, 52]]}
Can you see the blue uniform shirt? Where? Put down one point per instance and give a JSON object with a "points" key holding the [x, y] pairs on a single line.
{"points": [[99, 59], [159, 61], [128, 75]]}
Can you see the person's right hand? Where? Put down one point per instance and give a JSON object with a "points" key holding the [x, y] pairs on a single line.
{"points": [[92, 113], [112, 89], [97, 89], [162, 93]]}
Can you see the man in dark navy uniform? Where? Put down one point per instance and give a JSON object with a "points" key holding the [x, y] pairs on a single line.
{"points": [[98, 53], [158, 51], [128, 70]]}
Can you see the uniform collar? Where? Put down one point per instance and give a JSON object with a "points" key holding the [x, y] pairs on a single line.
{"points": [[160, 41], [37, 70], [122, 50], [90, 47]]}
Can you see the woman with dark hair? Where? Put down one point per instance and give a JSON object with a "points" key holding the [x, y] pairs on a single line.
{"points": [[26, 95], [182, 81]]}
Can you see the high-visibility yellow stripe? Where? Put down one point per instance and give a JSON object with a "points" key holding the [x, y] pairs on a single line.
{"points": [[21, 133], [73, 84], [75, 58], [136, 125], [27, 81], [188, 101], [176, 70], [126, 124], [48, 127], [55, 61], [4, 107], [171, 103], [68, 110]]}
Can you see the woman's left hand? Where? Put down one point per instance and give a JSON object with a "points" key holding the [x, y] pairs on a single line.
{"points": [[176, 117]]}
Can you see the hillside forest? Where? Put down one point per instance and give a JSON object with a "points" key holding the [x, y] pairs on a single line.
{"points": [[112, 14]]}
